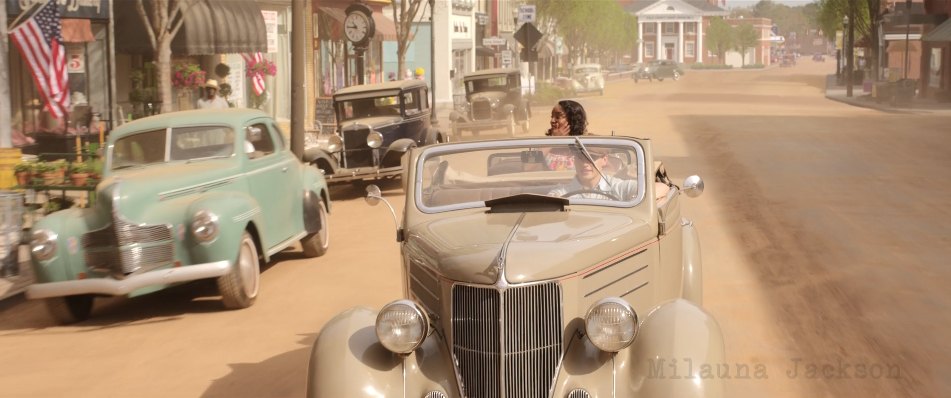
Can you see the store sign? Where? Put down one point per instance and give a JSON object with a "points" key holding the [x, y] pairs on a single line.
{"points": [[481, 18], [493, 41], [75, 60], [83, 9], [270, 25]]}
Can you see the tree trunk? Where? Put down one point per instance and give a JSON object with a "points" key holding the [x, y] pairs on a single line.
{"points": [[163, 58]]}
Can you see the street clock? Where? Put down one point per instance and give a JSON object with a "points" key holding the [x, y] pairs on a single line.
{"points": [[358, 25]]}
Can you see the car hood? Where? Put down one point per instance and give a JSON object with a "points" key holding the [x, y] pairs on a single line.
{"points": [[138, 188], [535, 246], [489, 95], [373, 122]]}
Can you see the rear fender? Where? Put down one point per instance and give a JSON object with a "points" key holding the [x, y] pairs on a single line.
{"points": [[312, 221], [434, 136], [347, 360], [394, 153], [323, 160], [676, 354]]}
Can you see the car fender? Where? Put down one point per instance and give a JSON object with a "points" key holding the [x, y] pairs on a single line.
{"points": [[235, 212], [69, 225], [347, 360], [693, 269], [394, 153], [320, 158], [313, 181], [311, 206], [675, 354], [434, 136], [458, 117]]}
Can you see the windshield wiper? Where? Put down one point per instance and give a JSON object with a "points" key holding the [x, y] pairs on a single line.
{"points": [[589, 158]]}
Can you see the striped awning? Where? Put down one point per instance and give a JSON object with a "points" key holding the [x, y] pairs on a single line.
{"points": [[940, 33], [210, 27]]}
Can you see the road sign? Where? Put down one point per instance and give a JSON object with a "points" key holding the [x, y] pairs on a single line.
{"points": [[493, 41], [526, 13], [528, 35], [506, 59]]}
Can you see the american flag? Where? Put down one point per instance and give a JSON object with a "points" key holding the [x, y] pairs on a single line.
{"points": [[257, 79], [41, 43]]}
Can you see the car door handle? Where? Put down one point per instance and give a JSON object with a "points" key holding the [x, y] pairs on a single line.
{"points": [[284, 169]]}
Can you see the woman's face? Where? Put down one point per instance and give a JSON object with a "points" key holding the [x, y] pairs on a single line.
{"points": [[559, 121]]}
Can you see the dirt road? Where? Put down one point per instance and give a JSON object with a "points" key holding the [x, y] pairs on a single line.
{"points": [[825, 237]]}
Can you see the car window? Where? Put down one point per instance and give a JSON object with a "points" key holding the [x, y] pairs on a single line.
{"points": [[496, 83], [369, 107], [411, 103], [260, 144], [138, 149], [464, 176]]}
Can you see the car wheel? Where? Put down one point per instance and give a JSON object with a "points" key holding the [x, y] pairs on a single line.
{"points": [[70, 309], [660, 79], [316, 244], [239, 287], [676, 76], [511, 127], [525, 126]]}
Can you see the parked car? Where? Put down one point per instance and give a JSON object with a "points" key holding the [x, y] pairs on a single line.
{"points": [[818, 57], [642, 71], [517, 284], [377, 124], [587, 78], [184, 196], [664, 68], [493, 100]]}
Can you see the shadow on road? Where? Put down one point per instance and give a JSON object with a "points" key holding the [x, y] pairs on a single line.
{"points": [[283, 375]]}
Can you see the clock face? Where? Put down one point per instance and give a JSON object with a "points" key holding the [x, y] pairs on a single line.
{"points": [[356, 26]]}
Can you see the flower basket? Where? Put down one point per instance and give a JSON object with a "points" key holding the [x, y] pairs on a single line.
{"points": [[187, 76], [264, 67]]}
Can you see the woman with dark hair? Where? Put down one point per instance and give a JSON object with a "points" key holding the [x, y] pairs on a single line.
{"points": [[568, 118]]}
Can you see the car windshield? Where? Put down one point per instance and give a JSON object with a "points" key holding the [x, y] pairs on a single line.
{"points": [[493, 83], [466, 175], [177, 144], [586, 70], [359, 108]]}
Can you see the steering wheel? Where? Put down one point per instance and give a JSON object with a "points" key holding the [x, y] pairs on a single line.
{"points": [[589, 190]]}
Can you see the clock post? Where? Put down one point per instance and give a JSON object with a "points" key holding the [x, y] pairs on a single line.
{"points": [[359, 29]]}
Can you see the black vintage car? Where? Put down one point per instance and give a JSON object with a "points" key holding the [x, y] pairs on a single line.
{"points": [[376, 125], [659, 69], [493, 100]]}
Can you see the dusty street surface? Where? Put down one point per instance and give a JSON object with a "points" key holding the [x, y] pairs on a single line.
{"points": [[825, 235]]}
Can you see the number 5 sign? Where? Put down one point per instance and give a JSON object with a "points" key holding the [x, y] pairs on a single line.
{"points": [[75, 62]]}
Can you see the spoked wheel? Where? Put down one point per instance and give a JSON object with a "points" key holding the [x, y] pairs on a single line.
{"points": [[239, 288], [316, 244], [70, 309]]}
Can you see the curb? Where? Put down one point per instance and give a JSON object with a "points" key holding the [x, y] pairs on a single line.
{"points": [[876, 107]]}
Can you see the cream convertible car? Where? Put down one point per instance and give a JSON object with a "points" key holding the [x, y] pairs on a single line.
{"points": [[519, 283]]}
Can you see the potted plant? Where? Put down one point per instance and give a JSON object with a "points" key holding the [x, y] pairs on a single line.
{"points": [[79, 174], [24, 173], [48, 172]]}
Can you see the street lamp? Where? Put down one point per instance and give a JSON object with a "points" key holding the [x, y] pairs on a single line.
{"points": [[432, 64], [850, 27]]}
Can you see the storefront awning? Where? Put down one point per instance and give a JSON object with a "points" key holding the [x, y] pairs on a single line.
{"points": [[210, 27], [940, 33], [330, 25]]}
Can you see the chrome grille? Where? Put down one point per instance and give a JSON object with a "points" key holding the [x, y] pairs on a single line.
{"points": [[123, 248], [578, 393], [356, 153], [481, 109], [507, 344]]}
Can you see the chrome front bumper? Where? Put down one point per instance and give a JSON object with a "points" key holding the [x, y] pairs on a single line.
{"points": [[363, 173], [125, 286]]}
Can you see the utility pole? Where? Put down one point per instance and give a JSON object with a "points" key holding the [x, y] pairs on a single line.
{"points": [[6, 133], [298, 97], [850, 50], [906, 64], [432, 64]]}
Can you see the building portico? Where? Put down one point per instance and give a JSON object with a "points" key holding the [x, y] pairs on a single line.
{"points": [[672, 29]]}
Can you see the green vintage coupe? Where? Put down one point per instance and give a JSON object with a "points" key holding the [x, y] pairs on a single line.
{"points": [[184, 196]]}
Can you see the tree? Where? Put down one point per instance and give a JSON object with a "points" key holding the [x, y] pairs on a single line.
{"points": [[745, 37], [163, 19], [719, 38], [592, 25], [405, 13]]}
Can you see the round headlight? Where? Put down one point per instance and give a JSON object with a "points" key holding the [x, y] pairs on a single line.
{"points": [[401, 326], [333, 143], [43, 244], [374, 139], [205, 226], [611, 324]]}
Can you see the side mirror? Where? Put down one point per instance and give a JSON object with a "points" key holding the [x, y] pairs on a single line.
{"points": [[374, 196], [693, 186]]}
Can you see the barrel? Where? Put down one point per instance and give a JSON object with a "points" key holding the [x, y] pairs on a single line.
{"points": [[9, 157], [11, 230]]}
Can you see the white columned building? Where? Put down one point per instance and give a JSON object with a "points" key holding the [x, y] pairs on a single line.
{"points": [[672, 29]]}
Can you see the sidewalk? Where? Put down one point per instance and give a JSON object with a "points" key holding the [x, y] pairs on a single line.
{"points": [[861, 99]]}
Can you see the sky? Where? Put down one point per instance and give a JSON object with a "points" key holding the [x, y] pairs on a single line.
{"points": [[747, 3]]}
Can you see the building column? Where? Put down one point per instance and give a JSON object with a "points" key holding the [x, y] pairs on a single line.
{"points": [[657, 44], [640, 41], [699, 41], [680, 42]]}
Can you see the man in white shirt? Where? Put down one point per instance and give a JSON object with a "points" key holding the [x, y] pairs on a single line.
{"points": [[212, 100], [589, 183]]}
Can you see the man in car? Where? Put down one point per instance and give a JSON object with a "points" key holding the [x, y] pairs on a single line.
{"points": [[591, 181]]}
